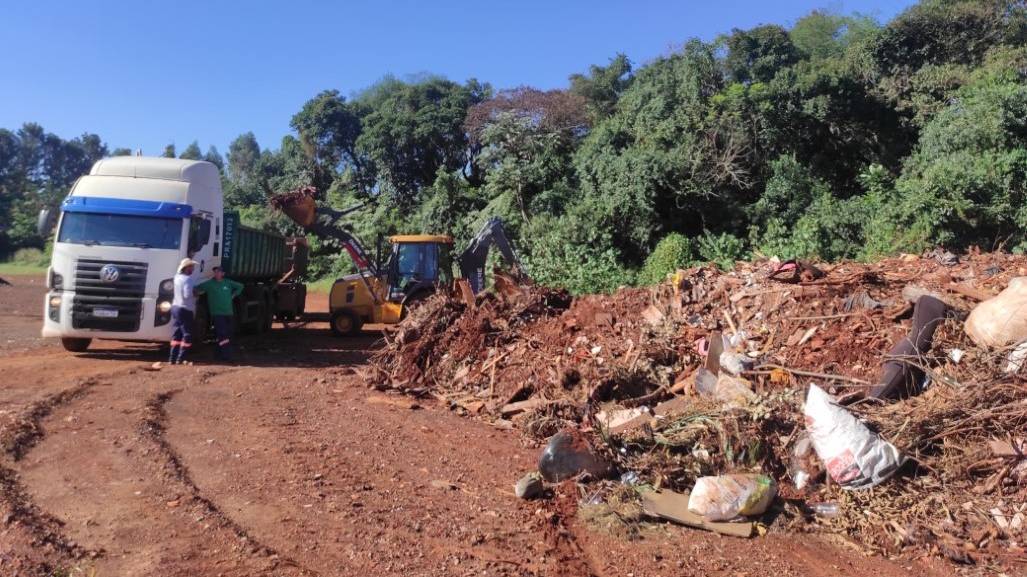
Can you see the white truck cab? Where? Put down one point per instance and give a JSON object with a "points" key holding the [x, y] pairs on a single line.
{"points": [[122, 231]]}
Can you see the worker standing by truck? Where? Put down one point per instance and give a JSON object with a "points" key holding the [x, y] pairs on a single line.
{"points": [[220, 293], [183, 312]]}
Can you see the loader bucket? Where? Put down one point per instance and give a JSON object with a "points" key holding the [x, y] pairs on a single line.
{"points": [[299, 205], [304, 211]]}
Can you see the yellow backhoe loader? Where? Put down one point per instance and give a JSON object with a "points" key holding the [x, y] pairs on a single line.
{"points": [[415, 266]]}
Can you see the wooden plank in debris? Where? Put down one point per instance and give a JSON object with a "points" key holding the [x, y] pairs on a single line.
{"points": [[970, 291], [466, 292], [716, 340], [666, 409], [472, 405], [522, 406], [400, 402], [1007, 449], [674, 507]]}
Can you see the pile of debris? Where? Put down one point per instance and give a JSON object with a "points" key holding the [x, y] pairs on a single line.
{"points": [[858, 397]]}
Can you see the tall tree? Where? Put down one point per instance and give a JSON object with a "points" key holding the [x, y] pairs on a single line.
{"points": [[603, 85], [826, 34], [169, 151], [192, 152], [756, 55], [411, 131], [328, 129], [243, 157], [214, 157]]}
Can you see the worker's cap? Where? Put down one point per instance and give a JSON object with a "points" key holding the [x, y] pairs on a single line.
{"points": [[186, 262]]}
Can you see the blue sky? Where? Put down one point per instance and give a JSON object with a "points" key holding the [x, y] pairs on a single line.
{"points": [[142, 74]]}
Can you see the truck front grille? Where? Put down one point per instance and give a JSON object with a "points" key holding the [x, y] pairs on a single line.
{"points": [[131, 280], [98, 299]]}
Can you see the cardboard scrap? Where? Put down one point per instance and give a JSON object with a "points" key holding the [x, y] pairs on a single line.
{"points": [[674, 507], [653, 315]]}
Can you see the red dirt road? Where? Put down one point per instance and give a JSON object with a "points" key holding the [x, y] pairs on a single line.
{"points": [[286, 464]]}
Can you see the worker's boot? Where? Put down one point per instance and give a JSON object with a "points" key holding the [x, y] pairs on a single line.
{"points": [[173, 358], [181, 355]]}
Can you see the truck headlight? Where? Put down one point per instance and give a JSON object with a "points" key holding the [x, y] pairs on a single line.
{"points": [[56, 280], [165, 294], [54, 310]]}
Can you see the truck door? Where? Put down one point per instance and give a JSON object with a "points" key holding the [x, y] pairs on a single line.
{"points": [[201, 249]]}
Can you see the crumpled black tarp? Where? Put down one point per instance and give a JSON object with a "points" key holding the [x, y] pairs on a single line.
{"points": [[900, 379]]}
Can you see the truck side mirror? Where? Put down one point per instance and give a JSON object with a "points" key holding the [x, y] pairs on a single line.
{"points": [[44, 223]]}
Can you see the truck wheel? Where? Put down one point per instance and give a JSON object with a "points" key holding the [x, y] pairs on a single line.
{"points": [[267, 317], [74, 345], [345, 324], [201, 326], [239, 327]]}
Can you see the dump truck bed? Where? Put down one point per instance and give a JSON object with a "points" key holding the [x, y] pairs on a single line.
{"points": [[250, 254]]}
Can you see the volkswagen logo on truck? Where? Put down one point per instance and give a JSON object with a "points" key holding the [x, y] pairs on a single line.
{"points": [[110, 273]]}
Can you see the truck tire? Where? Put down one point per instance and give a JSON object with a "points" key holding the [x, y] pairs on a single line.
{"points": [[345, 324], [75, 345], [201, 326], [267, 317], [238, 327]]}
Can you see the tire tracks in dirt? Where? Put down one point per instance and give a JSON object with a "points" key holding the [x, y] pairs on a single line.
{"points": [[154, 427], [561, 536], [17, 509], [18, 439], [90, 457]]}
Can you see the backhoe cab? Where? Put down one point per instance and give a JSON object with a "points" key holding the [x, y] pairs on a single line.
{"points": [[416, 266]]}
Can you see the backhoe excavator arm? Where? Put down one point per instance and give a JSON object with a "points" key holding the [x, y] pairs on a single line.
{"points": [[300, 205], [473, 259], [349, 242]]}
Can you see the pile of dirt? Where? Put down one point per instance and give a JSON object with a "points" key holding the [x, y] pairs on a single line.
{"points": [[631, 368]]}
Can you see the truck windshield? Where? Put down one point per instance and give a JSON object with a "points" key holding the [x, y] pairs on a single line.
{"points": [[120, 230]]}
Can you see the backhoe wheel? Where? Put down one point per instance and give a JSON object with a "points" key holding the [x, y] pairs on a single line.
{"points": [[412, 301], [345, 324], [75, 345]]}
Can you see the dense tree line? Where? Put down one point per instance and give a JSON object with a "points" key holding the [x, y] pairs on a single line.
{"points": [[839, 137]]}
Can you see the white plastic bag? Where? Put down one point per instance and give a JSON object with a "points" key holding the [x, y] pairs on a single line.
{"points": [[1000, 320], [725, 497], [1017, 358], [854, 456]]}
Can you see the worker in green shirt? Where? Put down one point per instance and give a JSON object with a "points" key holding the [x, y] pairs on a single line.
{"points": [[220, 293]]}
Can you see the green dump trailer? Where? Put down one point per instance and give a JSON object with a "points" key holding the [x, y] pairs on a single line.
{"points": [[266, 263]]}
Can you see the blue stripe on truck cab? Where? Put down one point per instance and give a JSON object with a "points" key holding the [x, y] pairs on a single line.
{"points": [[104, 205]]}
